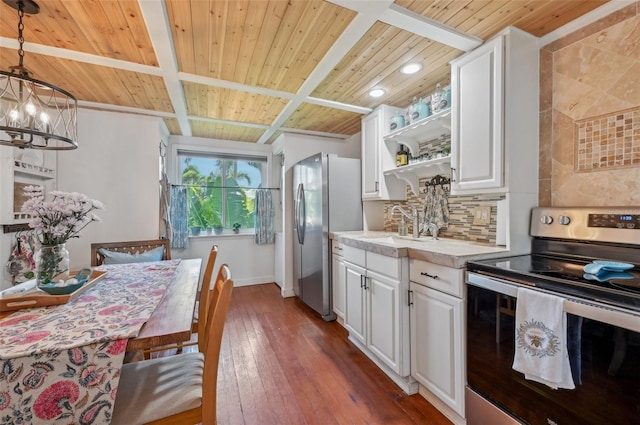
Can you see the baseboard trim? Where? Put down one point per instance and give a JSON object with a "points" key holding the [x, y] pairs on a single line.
{"points": [[441, 406], [406, 383]]}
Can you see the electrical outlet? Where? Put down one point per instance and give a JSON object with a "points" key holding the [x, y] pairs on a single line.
{"points": [[482, 215]]}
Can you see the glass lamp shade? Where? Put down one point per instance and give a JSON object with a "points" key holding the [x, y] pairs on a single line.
{"points": [[35, 114]]}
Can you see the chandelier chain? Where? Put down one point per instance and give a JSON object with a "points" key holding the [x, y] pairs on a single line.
{"points": [[20, 36]]}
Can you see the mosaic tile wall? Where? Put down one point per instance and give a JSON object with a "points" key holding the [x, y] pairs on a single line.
{"points": [[608, 141], [592, 72]]}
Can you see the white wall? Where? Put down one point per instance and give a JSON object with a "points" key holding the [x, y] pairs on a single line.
{"points": [[295, 147], [249, 263], [116, 163]]}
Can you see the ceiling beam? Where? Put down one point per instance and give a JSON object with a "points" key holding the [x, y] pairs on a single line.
{"points": [[80, 57], [584, 20], [128, 109], [155, 17], [214, 82], [415, 23], [407, 20], [356, 29]]}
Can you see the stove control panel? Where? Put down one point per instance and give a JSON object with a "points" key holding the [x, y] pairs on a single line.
{"points": [[615, 221], [598, 224]]}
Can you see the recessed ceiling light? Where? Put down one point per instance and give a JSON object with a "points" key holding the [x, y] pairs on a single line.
{"points": [[376, 92], [411, 68]]}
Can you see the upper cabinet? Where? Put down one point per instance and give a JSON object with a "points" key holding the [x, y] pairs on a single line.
{"points": [[376, 158], [494, 134], [20, 168]]}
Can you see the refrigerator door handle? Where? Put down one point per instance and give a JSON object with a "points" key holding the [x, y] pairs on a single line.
{"points": [[303, 214], [299, 218]]}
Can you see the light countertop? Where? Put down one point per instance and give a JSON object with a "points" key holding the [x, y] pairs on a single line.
{"points": [[447, 252]]}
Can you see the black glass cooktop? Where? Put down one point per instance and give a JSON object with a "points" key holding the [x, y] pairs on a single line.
{"points": [[620, 288]]}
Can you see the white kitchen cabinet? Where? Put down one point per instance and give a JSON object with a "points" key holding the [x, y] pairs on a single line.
{"points": [[338, 278], [376, 311], [20, 168], [376, 158], [355, 308], [494, 134], [437, 332], [383, 318]]}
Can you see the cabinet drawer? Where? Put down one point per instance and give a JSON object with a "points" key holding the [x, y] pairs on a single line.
{"points": [[442, 278], [354, 255], [336, 248], [388, 266]]}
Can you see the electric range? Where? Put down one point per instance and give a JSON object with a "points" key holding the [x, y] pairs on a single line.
{"points": [[603, 309]]}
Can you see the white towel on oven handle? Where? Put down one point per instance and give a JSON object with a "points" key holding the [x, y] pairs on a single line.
{"points": [[541, 339]]}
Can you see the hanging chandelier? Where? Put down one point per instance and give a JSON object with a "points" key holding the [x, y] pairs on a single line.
{"points": [[34, 114]]}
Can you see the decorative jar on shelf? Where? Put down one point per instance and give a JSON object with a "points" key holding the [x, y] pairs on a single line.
{"points": [[52, 264]]}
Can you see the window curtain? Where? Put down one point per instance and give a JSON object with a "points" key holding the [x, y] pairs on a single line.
{"points": [[264, 215], [178, 216], [165, 196]]}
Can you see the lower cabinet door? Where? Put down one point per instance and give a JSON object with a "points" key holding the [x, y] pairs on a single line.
{"points": [[383, 318], [437, 344], [354, 317]]}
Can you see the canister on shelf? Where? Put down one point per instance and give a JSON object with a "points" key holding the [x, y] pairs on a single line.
{"points": [[419, 110], [397, 121], [436, 97]]}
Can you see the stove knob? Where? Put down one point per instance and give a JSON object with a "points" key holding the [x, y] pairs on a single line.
{"points": [[564, 220], [546, 219]]}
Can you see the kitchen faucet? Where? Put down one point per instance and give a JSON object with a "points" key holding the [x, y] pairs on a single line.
{"points": [[414, 217]]}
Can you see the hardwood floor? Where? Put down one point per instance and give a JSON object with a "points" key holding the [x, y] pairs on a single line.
{"points": [[280, 363]]}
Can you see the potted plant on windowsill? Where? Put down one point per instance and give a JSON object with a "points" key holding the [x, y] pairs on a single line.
{"points": [[236, 228]]}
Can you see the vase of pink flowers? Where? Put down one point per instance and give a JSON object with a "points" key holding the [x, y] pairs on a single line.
{"points": [[55, 221]]}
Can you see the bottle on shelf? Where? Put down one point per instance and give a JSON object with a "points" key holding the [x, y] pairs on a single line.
{"points": [[436, 97], [402, 156]]}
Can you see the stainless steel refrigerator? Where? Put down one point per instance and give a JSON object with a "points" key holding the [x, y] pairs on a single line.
{"points": [[327, 198]]}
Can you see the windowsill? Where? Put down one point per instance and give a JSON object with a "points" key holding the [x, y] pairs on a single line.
{"points": [[228, 234]]}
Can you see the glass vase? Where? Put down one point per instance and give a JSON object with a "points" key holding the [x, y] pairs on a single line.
{"points": [[52, 264]]}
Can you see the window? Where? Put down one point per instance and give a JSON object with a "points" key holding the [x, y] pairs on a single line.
{"points": [[221, 188]]}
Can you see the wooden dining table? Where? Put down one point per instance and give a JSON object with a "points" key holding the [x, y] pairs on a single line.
{"points": [[170, 322], [63, 362]]}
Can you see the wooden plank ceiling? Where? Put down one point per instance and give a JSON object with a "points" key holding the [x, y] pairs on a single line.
{"points": [[249, 70]]}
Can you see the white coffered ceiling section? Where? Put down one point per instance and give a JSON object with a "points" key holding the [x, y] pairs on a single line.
{"points": [[247, 70]]}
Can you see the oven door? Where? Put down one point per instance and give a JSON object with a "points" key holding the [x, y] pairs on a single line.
{"points": [[605, 364]]}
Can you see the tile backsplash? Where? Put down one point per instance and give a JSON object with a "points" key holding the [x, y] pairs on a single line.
{"points": [[461, 215]]}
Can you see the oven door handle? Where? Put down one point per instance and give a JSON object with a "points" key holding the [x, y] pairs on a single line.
{"points": [[590, 309], [492, 284]]}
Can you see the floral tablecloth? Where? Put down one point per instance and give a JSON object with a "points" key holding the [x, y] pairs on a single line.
{"points": [[61, 364]]}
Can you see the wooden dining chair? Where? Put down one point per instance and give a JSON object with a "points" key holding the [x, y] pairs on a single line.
{"points": [[178, 389], [202, 307], [132, 249]]}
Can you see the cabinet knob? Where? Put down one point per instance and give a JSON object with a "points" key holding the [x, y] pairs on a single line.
{"points": [[432, 276]]}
